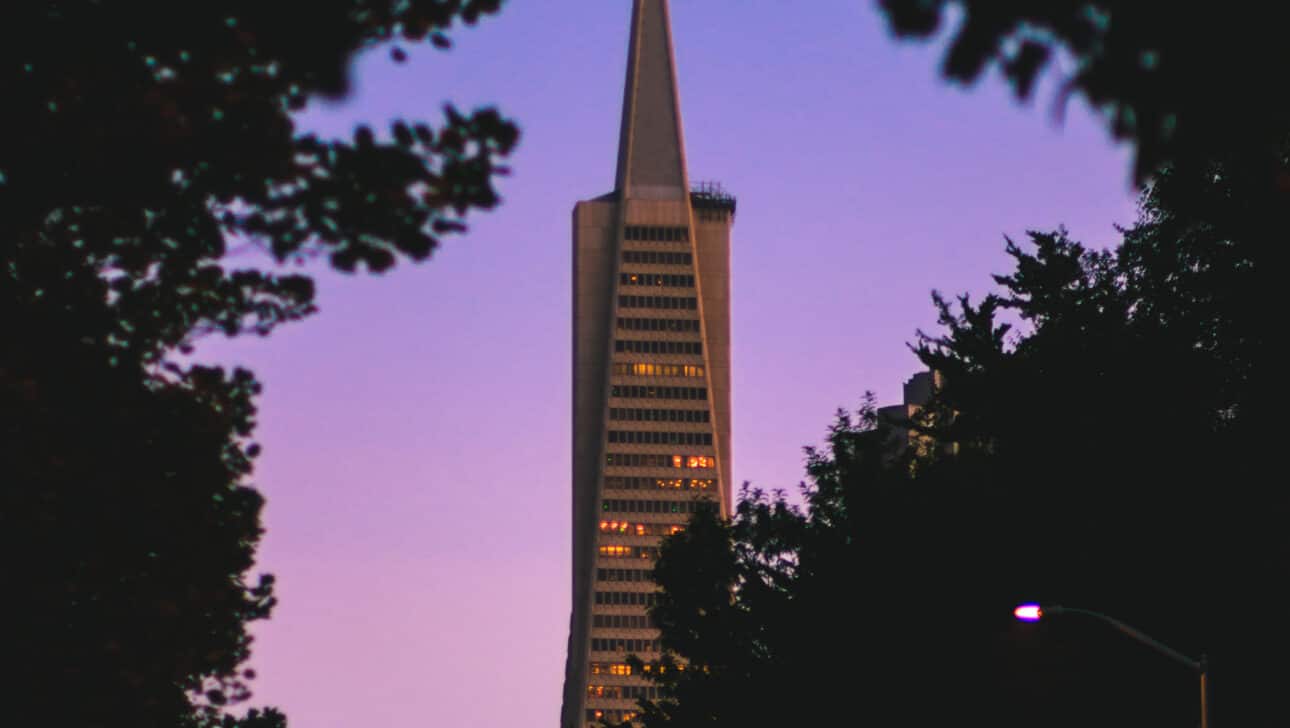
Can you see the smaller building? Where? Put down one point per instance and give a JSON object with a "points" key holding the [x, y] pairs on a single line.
{"points": [[901, 418]]}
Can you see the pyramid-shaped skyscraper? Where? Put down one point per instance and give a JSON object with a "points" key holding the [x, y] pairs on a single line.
{"points": [[651, 377]]}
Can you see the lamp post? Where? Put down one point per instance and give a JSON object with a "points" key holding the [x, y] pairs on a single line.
{"points": [[1035, 612]]}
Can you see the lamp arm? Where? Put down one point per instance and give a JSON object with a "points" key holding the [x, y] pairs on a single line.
{"points": [[1175, 655]]}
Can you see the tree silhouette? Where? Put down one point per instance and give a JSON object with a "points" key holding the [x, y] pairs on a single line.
{"points": [[137, 139], [1139, 64], [1111, 454]]}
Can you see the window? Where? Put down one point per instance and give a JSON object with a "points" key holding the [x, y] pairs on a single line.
{"points": [[658, 324], [622, 621], [645, 369], [662, 280], [664, 302], [629, 528], [622, 483], [658, 347], [626, 598], [612, 715], [631, 391], [632, 575], [693, 461], [618, 551], [657, 415], [654, 257], [638, 460], [624, 692], [621, 505], [610, 668], [619, 644], [654, 460], [660, 669], [648, 437], [656, 234], [685, 483]]}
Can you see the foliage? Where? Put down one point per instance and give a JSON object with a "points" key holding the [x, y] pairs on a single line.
{"points": [[269, 718], [815, 616], [1185, 82], [137, 139], [1110, 457]]}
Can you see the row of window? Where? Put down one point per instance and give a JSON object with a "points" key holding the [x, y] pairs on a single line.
{"points": [[653, 460], [628, 598], [616, 551], [643, 369], [658, 324], [622, 621], [649, 437], [639, 391], [638, 575], [655, 257], [624, 692], [622, 505], [657, 234], [618, 644], [658, 347], [612, 715], [631, 414], [610, 668], [621, 668], [675, 303], [619, 483], [640, 529], [665, 280]]}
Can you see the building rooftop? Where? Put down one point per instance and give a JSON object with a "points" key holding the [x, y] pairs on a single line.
{"points": [[712, 196]]}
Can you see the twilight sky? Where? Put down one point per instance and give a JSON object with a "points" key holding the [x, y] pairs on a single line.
{"points": [[416, 432]]}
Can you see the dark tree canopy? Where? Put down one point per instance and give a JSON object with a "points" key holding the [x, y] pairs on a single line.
{"points": [[1113, 454], [254, 719], [145, 134], [137, 138], [1183, 81]]}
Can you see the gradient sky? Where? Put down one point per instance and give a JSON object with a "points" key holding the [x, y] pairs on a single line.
{"points": [[416, 432]]}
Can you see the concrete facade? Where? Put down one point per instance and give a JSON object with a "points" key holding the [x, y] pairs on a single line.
{"points": [[651, 378], [900, 418]]}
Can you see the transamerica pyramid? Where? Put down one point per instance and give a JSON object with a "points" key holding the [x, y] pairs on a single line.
{"points": [[651, 378]]}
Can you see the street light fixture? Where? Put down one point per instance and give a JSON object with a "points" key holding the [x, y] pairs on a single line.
{"points": [[1035, 612], [1028, 612]]}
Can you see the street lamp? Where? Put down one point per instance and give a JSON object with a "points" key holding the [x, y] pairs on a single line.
{"points": [[1035, 612]]}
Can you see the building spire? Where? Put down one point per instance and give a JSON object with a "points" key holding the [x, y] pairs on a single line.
{"points": [[651, 147]]}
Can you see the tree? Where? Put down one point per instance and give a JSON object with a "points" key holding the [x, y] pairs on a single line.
{"points": [[254, 719], [814, 616], [138, 138], [1141, 396], [1103, 449], [1137, 64]]}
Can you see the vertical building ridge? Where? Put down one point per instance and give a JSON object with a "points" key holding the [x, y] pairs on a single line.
{"points": [[651, 379]]}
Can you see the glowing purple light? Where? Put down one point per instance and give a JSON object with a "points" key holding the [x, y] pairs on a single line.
{"points": [[1028, 612]]}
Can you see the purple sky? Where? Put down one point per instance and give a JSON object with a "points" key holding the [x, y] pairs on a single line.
{"points": [[416, 431]]}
